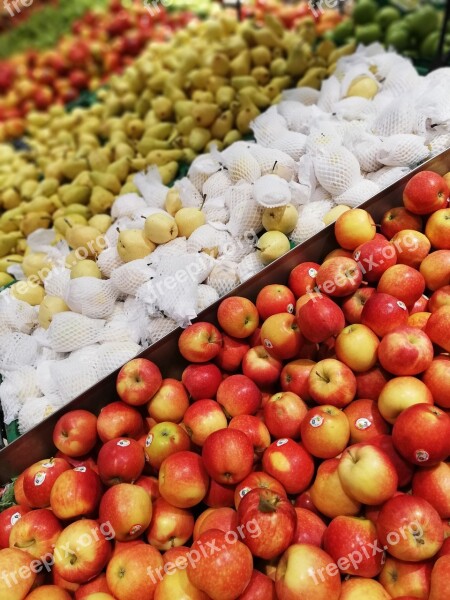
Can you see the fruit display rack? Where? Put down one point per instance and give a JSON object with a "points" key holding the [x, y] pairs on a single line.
{"points": [[35, 444]]}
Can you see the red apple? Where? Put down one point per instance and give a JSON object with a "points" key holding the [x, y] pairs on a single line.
{"points": [[420, 305], [332, 382], [170, 526], [256, 431], [75, 433], [357, 346], [400, 393], [119, 420], [133, 572], [437, 229], [228, 456], [354, 304], [402, 579], [49, 592], [361, 587], [238, 316], [365, 421], [273, 299], [95, 586], [225, 519], [290, 464], [36, 533], [294, 377], [169, 403], [200, 342], [421, 434], [404, 468], [165, 439], [19, 494], [219, 495], [353, 228], [12, 563], [150, 485], [138, 381], [438, 327], [370, 383], [283, 415], [398, 218], [231, 353], [325, 431], [375, 257], [183, 480], [260, 367], [403, 282], [383, 313], [302, 278], [412, 247], [440, 297], [38, 480], [257, 480], [239, 395], [405, 351], [437, 380], [436, 269], [281, 336], [76, 493], [339, 276], [120, 461], [410, 527], [260, 587], [319, 318], [425, 193], [419, 320], [8, 518], [440, 578], [433, 484], [310, 528], [327, 493], [203, 418], [128, 509], [201, 381]]}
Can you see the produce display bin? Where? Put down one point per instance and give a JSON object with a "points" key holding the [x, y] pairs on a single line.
{"points": [[37, 443]]}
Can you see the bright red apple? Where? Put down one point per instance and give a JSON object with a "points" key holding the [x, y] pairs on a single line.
{"points": [[200, 342], [138, 381], [405, 351], [239, 395], [283, 415], [75, 433], [332, 382], [273, 299], [425, 193], [382, 313], [238, 316], [228, 456], [398, 218], [365, 421], [290, 464], [119, 420], [120, 460]]}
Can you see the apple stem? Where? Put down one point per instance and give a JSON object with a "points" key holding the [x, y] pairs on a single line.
{"points": [[268, 506], [351, 456], [25, 544]]}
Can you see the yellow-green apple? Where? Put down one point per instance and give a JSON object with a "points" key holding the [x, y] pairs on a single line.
{"points": [[310, 528], [120, 460], [403, 282], [357, 346], [325, 431], [16, 575], [260, 587], [370, 383], [228, 456], [165, 439], [419, 320], [128, 508], [425, 193], [367, 474], [406, 579], [231, 353], [403, 467], [319, 318], [436, 269], [338, 276], [398, 218], [412, 247], [238, 316], [257, 480], [239, 395], [224, 572], [201, 381], [81, 551], [365, 420], [437, 379], [273, 299], [438, 327], [327, 493], [137, 381], [356, 588], [175, 584], [400, 393], [284, 414], [332, 382], [219, 495], [375, 257], [48, 592], [437, 229], [440, 578], [421, 434], [294, 377], [281, 336], [200, 342], [410, 527], [433, 484], [75, 433], [290, 464], [225, 519], [352, 306], [307, 572], [8, 518], [133, 572], [150, 485], [39, 479], [276, 521], [183, 480], [203, 418], [76, 493], [97, 585], [353, 228], [170, 402], [36, 533], [344, 539], [256, 431], [170, 526], [262, 368], [382, 313], [118, 419], [302, 278], [440, 297], [405, 351]]}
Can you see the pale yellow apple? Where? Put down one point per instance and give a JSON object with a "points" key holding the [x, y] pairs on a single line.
{"points": [[188, 220], [357, 588], [335, 213], [172, 203], [272, 245], [28, 291], [283, 218], [100, 222], [160, 228], [85, 268], [50, 305], [132, 245], [357, 347]]}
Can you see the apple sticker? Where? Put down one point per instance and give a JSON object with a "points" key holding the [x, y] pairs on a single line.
{"points": [[316, 421], [39, 478], [123, 443]]}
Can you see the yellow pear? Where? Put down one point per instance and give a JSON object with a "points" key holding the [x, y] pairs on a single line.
{"points": [[8, 261], [36, 263], [272, 245], [28, 291], [188, 220], [173, 203], [282, 218], [86, 239], [364, 87], [100, 222], [101, 200], [160, 228], [72, 259], [334, 213], [85, 268], [33, 221], [132, 245], [5, 279], [9, 241], [62, 224], [50, 305]]}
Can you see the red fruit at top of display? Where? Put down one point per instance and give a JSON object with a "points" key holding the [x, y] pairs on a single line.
{"points": [[425, 193], [75, 433], [120, 460], [398, 218], [200, 342], [338, 277], [404, 468], [437, 380], [119, 420], [238, 316], [138, 381], [402, 282], [319, 319], [79, 54], [231, 353], [273, 299], [433, 484], [405, 351], [290, 464], [302, 278], [281, 336], [421, 434], [384, 313], [228, 456], [79, 79], [438, 327], [239, 395], [201, 381], [375, 257]]}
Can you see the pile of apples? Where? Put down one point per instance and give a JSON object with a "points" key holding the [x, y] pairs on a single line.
{"points": [[319, 414]]}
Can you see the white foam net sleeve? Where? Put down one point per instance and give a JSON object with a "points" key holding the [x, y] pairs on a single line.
{"points": [[292, 143], [34, 411], [201, 169], [438, 143], [108, 261], [129, 277], [16, 387], [207, 237], [320, 194], [112, 355], [386, 176], [273, 161], [151, 188], [215, 210], [127, 206], [57, 282], [249, 266], [92, 297], [355, 109], [44, 379], [366, 152], [268, 127], [323, 139], [159, 327], [330, 93], [403, 150], [216, 185], [402, 80], [306, 228], [16, 315], [190, 196], [70, 331], [241, 165], [207, 295], [128, 323], [245, 213], [16, 350], [304, 95], [337, 170], [174, 248], [299, 117], [224, 276], [398, 117], [271, 191], [73, 376], [317, 209], [359, 193]]}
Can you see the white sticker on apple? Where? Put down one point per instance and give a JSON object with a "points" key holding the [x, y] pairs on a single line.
{"points": [[39, 478], [244, 491], [123, 443], [357, 255], [48, 465], [290, 308], [135, 529], [149, 440], [282, 442], [316, 421], [15, 517], [362, 424], [422, 455], [401, 304], [80, 469], [268, 343], [312, 272]]}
